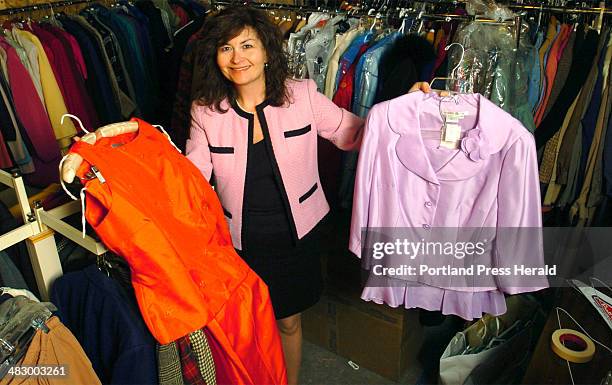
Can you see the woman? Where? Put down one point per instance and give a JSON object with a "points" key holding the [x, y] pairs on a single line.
{"points": [[254, 136]]}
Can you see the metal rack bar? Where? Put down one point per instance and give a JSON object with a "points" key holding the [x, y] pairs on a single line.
{"points": [[39, 240], [596, 10], [30, 227], [53, 219], [50, 5]]}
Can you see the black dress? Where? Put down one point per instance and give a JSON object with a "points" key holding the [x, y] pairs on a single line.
{"points": [[292, 270]]}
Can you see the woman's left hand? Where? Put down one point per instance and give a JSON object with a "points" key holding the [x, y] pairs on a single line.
{"points": [[426, 88]]}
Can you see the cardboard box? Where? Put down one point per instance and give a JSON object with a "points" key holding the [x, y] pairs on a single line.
{"points": [[377, 337]]}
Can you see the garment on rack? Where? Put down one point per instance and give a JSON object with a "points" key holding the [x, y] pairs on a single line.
{"points": [[494, 67], [124, 88], [28, 54], [17, 146], [19, 316], [589, 179], [563, 68], [9, 274], [551, 70], [342, 43], [169, 364], [401, 68], [98, 83], [535, 74], [54, 101], [574, 131], [318, 50], [422, 185], [12, 292], [351, 55], [105, 321], [580, 70], [18, 253], [58, 347], [180, 285], [189, 80], [32, 114], [366, 74], [69, 79]]}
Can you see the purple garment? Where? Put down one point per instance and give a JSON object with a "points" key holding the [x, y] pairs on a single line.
{"points": [[406, 180]]}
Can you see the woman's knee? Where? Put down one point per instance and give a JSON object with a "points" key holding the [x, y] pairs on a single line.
{"points": [[290, 325]]}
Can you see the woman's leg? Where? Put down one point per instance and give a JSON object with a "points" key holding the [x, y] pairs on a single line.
{"points": [[290, 329]]}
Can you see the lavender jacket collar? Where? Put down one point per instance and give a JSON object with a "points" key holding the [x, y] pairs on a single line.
{"points": [[485, 139], [219, 144]]}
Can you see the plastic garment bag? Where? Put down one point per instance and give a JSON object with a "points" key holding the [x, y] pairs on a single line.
{"points": [[494, 67]]}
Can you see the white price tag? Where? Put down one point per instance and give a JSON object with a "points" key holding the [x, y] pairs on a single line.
{"points": [[452, 132]]}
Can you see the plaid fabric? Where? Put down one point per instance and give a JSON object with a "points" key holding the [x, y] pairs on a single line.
{"points": [[200, 346], [169, 365], [549, 158], [189, 363]]}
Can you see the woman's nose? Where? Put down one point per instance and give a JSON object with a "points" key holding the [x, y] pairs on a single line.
{"points": [[236, 57]]}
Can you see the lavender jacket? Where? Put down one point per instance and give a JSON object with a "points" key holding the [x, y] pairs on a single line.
{"points": [[219, 144], [409, 185]]}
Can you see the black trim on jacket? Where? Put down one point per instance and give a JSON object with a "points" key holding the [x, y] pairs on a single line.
{"points": [[275, 169]]}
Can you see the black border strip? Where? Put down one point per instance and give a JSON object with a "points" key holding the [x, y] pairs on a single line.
{"points": [[221, 150], [309, 193], [298, 132]]}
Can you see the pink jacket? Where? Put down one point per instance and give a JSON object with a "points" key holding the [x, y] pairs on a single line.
{"points": [[218, 145]]}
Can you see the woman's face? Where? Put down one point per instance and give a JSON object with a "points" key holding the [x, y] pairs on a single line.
{"points": [[242, 59]]}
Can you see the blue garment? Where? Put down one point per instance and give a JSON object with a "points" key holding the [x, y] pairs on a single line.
{"points": [[349, 56], [366, 75], [108, 325], [534, 76], [145, 49], [98, 82], [132, 54]]}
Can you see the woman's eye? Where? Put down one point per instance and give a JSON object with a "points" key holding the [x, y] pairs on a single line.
{"points": [[247, 46], [225, 49]]}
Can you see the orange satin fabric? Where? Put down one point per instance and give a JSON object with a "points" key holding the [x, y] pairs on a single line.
{"points": [[157, 211]]}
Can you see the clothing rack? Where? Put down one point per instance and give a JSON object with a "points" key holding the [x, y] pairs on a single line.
{"points": [[43, 6], [39, 240], [38, 234], [30, 227], [597, 10], [362, 13]]}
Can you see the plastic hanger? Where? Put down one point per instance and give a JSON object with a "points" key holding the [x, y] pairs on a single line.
{"points": [[453, 83]]}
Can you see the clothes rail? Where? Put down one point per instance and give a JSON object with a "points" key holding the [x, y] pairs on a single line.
{"points": [[43, 6], [595, 10], [361, 13], [54, 220]]}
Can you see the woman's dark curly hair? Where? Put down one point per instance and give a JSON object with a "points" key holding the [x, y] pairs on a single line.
{"points": [[221, 28]]}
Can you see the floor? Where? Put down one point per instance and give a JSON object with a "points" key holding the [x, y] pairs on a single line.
{"points": [[322, 367]]}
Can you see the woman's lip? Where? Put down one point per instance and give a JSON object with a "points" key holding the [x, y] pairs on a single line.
{"points": [[241, 68]]}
